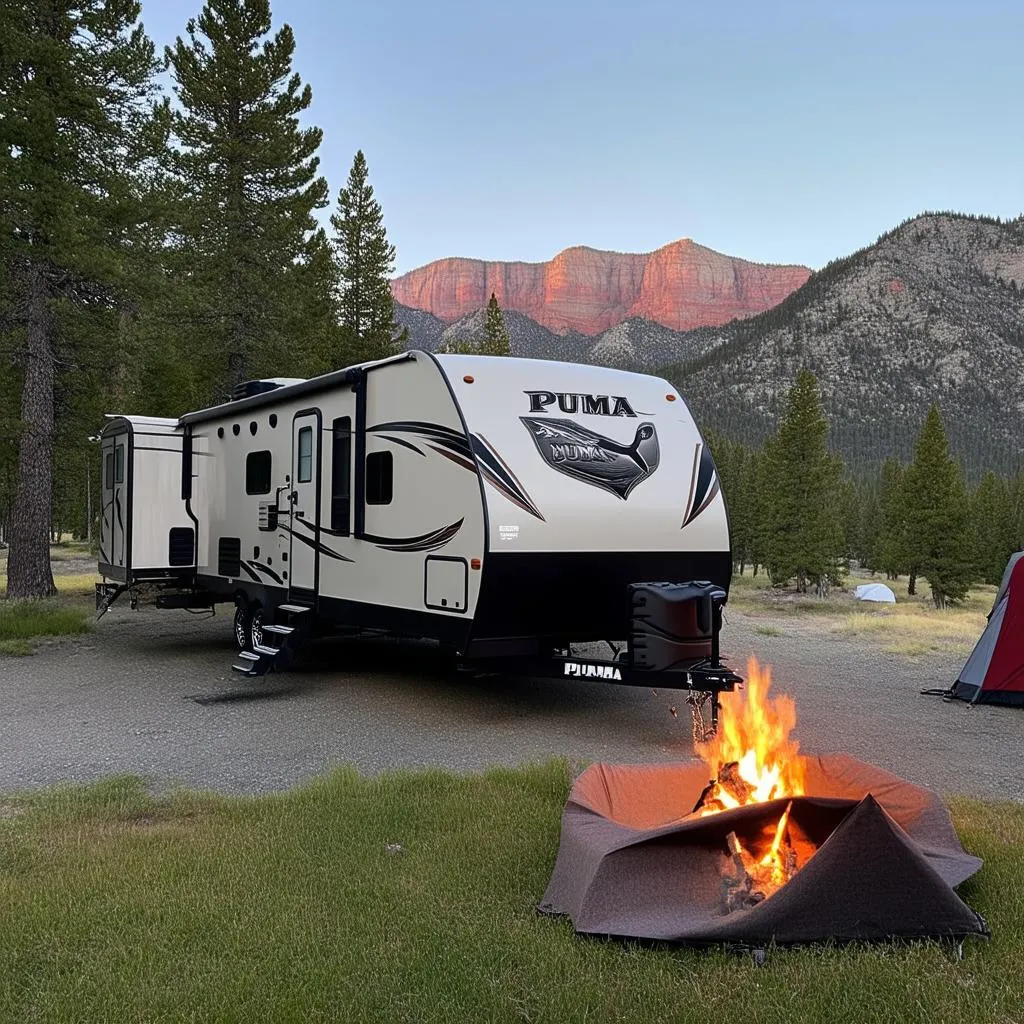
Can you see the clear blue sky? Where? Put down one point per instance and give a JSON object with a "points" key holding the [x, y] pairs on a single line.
{"points": [[785, 132]]}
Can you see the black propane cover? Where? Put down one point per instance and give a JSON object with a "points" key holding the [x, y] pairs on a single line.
{"points": [[674, 626]]}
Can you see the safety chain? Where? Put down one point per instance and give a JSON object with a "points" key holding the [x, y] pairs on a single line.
{"points": [[702, 732]]}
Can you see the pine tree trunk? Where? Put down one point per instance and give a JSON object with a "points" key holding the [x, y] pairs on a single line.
{"points": [[28, 565], [912, 583]]}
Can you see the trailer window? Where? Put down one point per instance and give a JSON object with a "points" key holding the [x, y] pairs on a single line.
{"points": [[305, 469], [109, 471], [341, 474], [379, 478], [119, 464], [258, 473]]}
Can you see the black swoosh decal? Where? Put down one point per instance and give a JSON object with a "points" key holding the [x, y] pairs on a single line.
{"points": [[403, 443], [446, 437], [251, 574], [498, 475], [704, 485], [266, 570], [311, 543], [425, 542]]}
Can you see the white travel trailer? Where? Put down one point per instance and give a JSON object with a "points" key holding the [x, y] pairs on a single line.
{"points": [[508, 508]]}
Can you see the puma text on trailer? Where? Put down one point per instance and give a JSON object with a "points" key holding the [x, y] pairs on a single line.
{"points": [[508, 508]]}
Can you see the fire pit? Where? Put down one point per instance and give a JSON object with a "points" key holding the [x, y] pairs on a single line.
{"points": [[778, 847]]}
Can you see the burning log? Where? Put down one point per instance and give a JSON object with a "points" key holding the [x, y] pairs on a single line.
{"points": [[729, 784], [755, 878], [738, 890]]}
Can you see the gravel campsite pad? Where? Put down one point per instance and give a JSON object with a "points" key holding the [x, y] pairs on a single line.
{"points": [[152, 693]]}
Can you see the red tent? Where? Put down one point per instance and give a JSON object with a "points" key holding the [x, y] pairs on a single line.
{"points": [[994, 673]]}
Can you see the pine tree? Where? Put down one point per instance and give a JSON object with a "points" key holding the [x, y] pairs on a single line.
{"points": [[935, 501], [248, 189], [495, 341], [870, 526], [76, 121], [991, 529], [366, 261], [803, 522], [492, 341], [890, 545]]}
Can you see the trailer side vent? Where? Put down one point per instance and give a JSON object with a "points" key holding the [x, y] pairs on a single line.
{"points": [[229, 556], [181, 545]]}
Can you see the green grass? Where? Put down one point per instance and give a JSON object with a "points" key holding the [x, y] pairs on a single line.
{"points": [[769, 631], [23, 621], [122, 906]]}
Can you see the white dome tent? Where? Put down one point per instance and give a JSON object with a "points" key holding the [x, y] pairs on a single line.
{"points": [[877, 592]]}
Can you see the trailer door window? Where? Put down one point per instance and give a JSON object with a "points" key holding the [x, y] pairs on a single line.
{"points": [[109, 471], [379, 478], [119, 464], [305, 467], [341, 474], [258, 472]]}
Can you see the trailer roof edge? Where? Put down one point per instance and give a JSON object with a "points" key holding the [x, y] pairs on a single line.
{"points": [[324, 382]]}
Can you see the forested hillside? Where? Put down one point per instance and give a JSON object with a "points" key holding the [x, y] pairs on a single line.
{"points": [[933, 312]]}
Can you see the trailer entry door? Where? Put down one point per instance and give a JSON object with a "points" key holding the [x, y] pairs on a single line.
{"points": [[305, 505]]}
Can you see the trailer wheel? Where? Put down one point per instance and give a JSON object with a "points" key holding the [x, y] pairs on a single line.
{"points": [[242, 627], [256, 628]]}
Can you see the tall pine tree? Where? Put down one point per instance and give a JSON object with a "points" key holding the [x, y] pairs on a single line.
{"points": [[248, 188], [366, 261], [77, 98], [492, 340], [803, 523], [936, 508], [495, 341], [890, 552], [991, 528]]}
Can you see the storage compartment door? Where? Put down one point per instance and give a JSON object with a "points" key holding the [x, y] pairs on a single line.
{"points": [[446, 585]]}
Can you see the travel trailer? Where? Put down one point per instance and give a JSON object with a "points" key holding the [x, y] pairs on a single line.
{"points": [[510, 509]]}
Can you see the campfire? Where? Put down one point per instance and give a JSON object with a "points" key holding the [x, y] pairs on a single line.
{"points": [[753, 759], [779, 846]]}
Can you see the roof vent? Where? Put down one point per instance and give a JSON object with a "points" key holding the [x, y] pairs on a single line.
{"points": [[249, 388]]}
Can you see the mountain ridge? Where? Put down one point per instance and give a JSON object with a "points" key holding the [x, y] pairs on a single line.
{"points": [[587, 290]]}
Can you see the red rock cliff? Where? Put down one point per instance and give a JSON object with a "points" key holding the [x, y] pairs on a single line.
{"points": [[681, 285]]}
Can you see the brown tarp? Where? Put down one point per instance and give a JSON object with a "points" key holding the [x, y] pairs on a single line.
{"points": [[634, 863]]}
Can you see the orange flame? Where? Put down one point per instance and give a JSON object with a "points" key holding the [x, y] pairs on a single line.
{"points": [[752, 759], [754, 732]]}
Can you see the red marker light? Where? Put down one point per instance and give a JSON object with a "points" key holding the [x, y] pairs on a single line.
{"points": [[468, 378]]}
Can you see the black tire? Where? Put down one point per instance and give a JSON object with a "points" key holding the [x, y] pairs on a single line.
{"points": [[256, 628], [242, 625]]}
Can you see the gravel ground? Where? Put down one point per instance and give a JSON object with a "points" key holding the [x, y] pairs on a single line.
{"points": [[134, 696]]}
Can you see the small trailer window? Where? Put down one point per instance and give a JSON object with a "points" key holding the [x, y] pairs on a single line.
{"points": [[305, 470], [119, 464], [341, 474], [109, 471], [379, 478], [258, 473]]}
